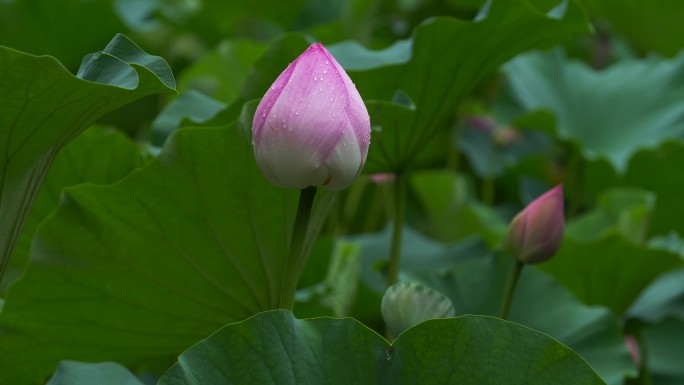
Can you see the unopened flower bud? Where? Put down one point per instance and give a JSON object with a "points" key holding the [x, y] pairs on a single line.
{"points": [[535, 234], [406, 304], [311, 128]]}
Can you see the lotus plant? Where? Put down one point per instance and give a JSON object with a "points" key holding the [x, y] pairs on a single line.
{"points": [[311, 128], [534, 236]]}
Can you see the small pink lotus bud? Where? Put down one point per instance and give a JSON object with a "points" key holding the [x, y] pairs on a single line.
{"points": [[536, 232], [311, 128]]}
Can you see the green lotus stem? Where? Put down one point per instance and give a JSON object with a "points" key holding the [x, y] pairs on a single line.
{"points": [[510, 289], [295, 255], [399, 203]]}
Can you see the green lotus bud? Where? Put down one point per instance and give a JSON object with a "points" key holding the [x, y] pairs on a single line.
{"points": [[406, 304]]}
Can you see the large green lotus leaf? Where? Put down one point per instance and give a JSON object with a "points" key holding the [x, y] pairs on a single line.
{"points": [[150, 265], [63, 29], [43, 107], [476, 285], [648, 25], [633, 104], [610, 271], [276, 348], [436, 79], [99, 156], [104, 373]]}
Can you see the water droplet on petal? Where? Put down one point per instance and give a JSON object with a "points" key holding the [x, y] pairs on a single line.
{"points": [[325, 71], [297, 113], [316, 78], [327, 62]]}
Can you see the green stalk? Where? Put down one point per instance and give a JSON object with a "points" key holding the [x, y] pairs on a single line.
{"points": [[399, 203], [295, 255], [510, 289]]}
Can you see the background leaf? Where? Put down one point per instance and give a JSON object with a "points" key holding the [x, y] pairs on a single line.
{"points": [[598, 109], [437, 85], [649, 26]]}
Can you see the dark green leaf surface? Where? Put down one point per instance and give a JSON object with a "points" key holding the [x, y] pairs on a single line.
{"points": [[43, 107], [98, 156], [105, 373], [152, 264], [275, 348]]}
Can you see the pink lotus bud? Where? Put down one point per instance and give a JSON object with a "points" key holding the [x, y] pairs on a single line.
{"points": [[311, 128], [536, 232]]}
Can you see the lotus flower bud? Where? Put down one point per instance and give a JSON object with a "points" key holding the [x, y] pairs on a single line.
{"points": [[311, 128], [536, 232], [406, 304]]}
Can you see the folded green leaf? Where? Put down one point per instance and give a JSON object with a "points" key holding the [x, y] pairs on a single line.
{"points": [[43, 107]]}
